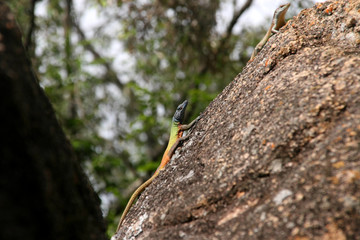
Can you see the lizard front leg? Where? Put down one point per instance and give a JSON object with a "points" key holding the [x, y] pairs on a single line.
{"points": [[188, 126], [176, 144]]}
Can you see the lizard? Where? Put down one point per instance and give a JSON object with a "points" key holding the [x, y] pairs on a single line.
{"points": [[277, 22], [176, 137]]}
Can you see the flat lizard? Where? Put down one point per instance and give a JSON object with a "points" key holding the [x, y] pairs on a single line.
{"points": [[176, 136], [277, 22]]}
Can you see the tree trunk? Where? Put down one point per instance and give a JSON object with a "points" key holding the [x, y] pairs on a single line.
{"points": [[277, 154], [44, 193]]}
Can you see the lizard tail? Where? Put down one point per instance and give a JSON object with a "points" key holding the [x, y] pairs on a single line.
{"points": [[134, 196]]}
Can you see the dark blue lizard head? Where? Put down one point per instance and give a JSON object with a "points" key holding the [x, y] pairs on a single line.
{"points": [[180, 112]]}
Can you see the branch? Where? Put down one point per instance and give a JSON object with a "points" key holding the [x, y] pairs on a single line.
{"points": [[235, 18], [226, 37], [110, 75]]}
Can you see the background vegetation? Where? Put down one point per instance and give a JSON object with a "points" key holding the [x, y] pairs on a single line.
{"points": [[115, 71]]}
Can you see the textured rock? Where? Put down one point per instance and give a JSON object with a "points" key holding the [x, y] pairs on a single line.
{"points": [[277, 154]]}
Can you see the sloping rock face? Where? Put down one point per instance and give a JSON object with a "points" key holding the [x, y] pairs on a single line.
{"points": [[277, 154]]}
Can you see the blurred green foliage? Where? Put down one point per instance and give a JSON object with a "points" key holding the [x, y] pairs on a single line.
{"points": [[116, 113]]}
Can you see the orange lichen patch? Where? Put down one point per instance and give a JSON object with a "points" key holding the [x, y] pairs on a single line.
{"points": [[318, 5], [240, 194], [267, 62], [330, 8], [338, 164]]}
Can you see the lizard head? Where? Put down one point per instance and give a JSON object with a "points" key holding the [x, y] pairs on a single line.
{"points": [[180, 112], [282, 9]]}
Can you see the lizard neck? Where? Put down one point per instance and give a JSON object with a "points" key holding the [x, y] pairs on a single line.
{"points": [[175, 133], [279, 19], [279, 16]]}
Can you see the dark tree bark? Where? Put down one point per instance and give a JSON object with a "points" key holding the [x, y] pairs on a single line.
{"points": [[277, 154], [44, 193]]}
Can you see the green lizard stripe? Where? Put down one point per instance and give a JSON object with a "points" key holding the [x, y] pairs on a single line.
{"points": [[173, 135]]}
